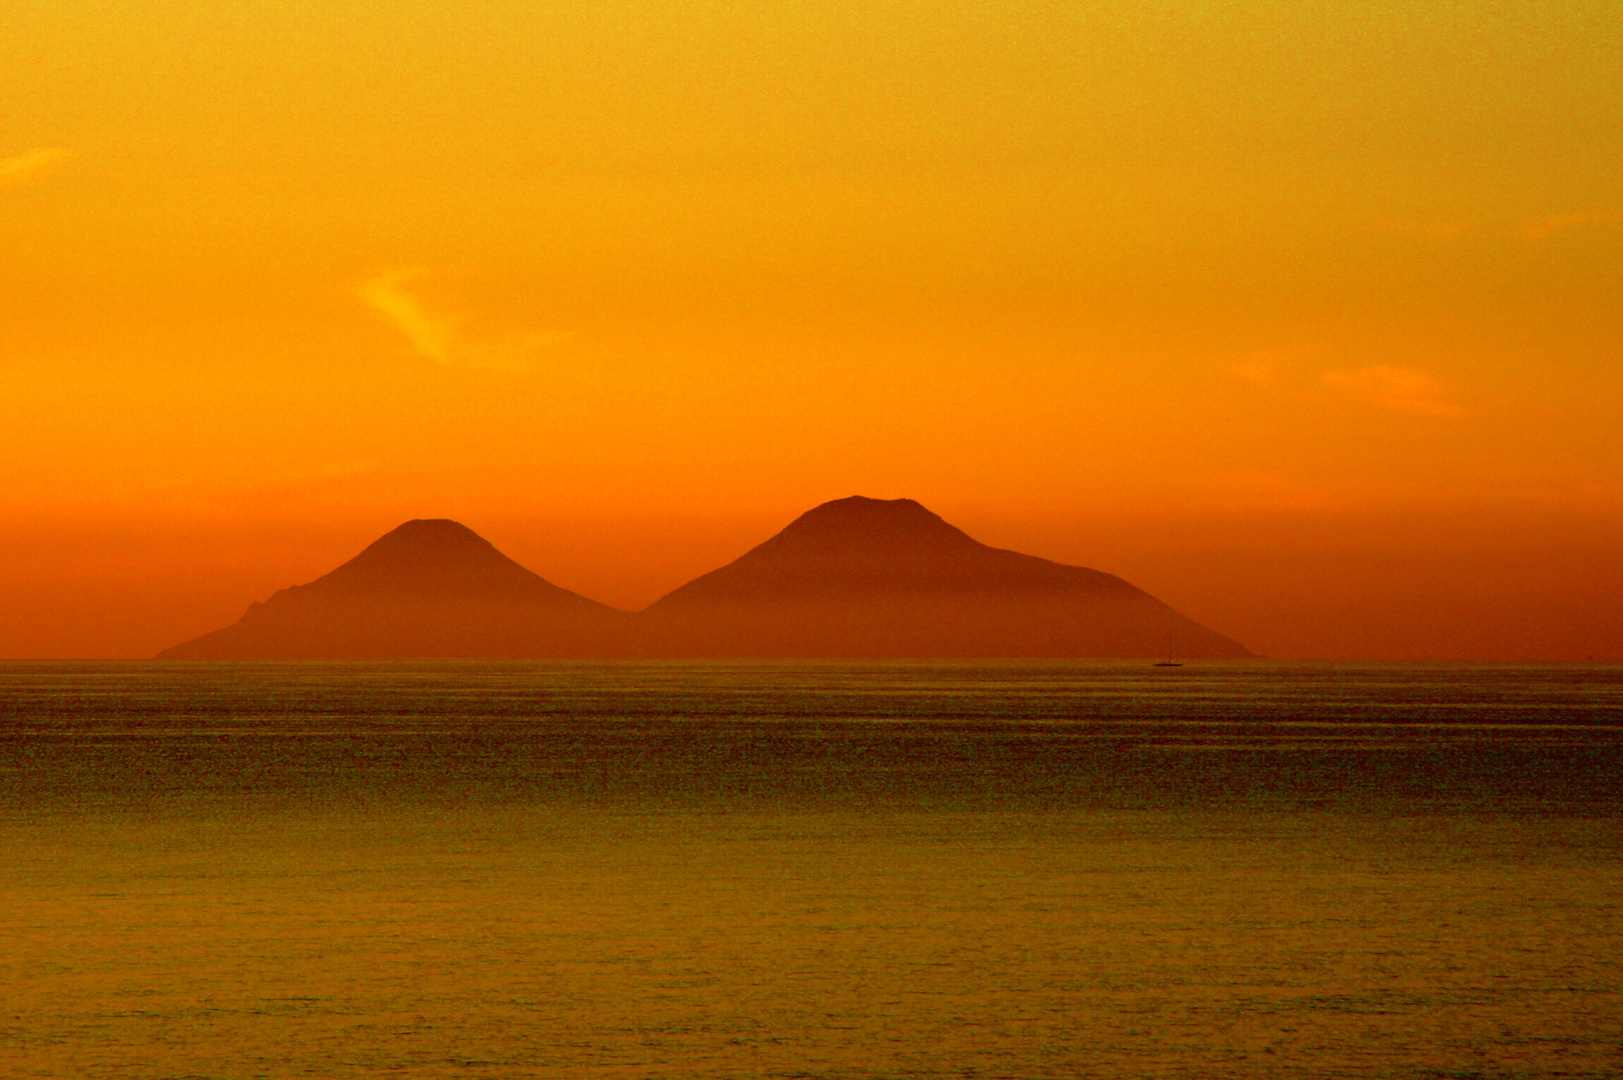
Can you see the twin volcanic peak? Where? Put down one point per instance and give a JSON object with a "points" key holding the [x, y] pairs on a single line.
{"points": [[853, 578], [430, 588], [437, 558]]}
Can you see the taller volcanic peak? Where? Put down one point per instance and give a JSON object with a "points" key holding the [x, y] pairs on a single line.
{"points": [[861, 546], [871, 577], [861, 527]]}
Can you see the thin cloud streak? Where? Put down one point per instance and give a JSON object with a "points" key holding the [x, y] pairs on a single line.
{"points": [[431, 335], [1404, 389], [1544, 228], [1433, 228], [444, 337], [1256, 371], [32, 166]]}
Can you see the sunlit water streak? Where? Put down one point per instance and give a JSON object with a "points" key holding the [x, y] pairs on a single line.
{"points": [[815, 870]]}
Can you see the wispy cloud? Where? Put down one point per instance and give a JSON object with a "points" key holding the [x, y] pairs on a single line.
{"points": [[1276, 368], [443, 335], [1256, 370], [1544, 228], [31, 166], [1253, 489], [236, 179], [1406, 389], [1433, 228], [392, 294]]}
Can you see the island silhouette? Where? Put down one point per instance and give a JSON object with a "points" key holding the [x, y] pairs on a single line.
{"points": [[430, 588], [851, 578]]}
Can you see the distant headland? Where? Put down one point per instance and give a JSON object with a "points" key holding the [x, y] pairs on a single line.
{"points": [[852, 578]]}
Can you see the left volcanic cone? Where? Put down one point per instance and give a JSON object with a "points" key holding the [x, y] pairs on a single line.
{"points": [[431, 588]]}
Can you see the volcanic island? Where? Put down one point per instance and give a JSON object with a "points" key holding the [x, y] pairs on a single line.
{"points": [[853, 578]]}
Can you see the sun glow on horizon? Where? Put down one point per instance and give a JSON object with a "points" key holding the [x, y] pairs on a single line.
{"points": [[1305, 319]]}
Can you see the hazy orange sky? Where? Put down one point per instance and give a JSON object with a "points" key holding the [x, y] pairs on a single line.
{"points": [[1306, 318]]}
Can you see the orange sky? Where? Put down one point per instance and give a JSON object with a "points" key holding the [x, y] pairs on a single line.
{"points": [[1307, 319]]}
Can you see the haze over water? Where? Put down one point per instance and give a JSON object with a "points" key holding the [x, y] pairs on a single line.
{"points": [[811, 869]]}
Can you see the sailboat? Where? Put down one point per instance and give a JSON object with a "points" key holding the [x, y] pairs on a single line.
{"points": [[1169, 661]]}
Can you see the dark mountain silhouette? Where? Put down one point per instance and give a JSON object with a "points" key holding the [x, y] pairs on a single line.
{"points": [[852, 578], [429, 588], [869, 577]]}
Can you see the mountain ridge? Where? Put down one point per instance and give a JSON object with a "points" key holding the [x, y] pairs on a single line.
{"points": [[431, 587], [845, 530], [435, 556], [862, 577], [853, 577]]}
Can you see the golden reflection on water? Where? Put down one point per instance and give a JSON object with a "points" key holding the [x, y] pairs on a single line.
{"points": [[535, 943], [455, 928]]}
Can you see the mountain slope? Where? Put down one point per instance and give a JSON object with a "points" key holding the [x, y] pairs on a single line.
{"points": [[868, 577], [852, 578], [430, 588]]}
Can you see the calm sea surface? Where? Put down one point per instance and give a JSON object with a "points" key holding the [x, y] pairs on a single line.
{"points": [[810, 870]]}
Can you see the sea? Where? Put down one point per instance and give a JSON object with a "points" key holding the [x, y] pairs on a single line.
{"points": [[810, 870]]}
